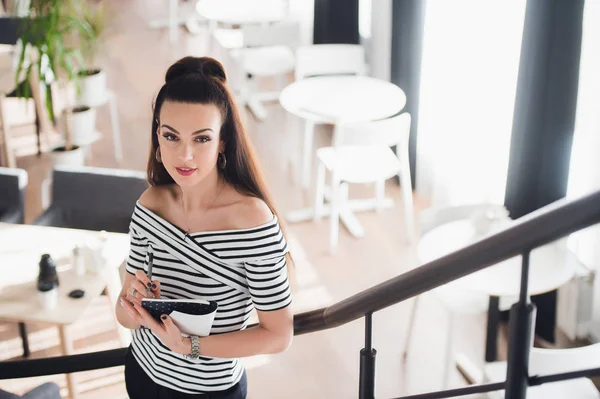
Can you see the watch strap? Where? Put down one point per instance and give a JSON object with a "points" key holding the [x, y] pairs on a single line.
{"points": [[195, 354]]}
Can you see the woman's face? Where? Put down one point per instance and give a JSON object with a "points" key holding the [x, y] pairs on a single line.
{"points": [[188, 137]]}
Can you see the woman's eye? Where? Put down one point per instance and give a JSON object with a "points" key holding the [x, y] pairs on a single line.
{"points": [[202, 139], [169, 137]]}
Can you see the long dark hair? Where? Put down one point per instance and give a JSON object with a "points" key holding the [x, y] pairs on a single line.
{"points": [[202, 80]]}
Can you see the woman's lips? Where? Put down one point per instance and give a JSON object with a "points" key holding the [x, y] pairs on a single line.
{"points": [[185, 171]]}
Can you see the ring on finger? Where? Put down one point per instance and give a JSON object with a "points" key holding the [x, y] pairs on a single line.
{"points": [[134, 292]]}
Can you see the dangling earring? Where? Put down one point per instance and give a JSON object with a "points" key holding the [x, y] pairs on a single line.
{"points": [[221, 160], [158, 157]]}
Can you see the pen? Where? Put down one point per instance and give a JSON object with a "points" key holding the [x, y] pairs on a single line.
{"points": [[150, 261]]}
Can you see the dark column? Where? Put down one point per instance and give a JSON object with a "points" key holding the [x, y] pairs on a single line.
{"points": [[408, 17], [336, 21], [544, 119]]}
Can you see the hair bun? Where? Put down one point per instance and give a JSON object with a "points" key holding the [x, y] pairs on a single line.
{"points": [[204, 66]]}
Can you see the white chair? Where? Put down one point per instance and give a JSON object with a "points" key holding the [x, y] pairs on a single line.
{"points": [[178, 14], [330, 59], [553, 361], [268, 51], [361, 154], [455, 299]]}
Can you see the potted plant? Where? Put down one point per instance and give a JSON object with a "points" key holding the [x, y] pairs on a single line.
{"points": [[92, 80], [50, 37]]}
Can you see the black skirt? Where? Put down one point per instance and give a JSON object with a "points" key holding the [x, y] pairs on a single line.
{"points": [[141, 386]]}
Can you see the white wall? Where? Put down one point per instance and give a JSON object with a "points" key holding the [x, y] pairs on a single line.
{"points": [[467, 95], [303, 11], [380, 45], [584, 176]]}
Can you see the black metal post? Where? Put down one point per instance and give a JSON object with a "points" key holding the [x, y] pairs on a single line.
{"points": [[366, 388], [520, 339], [24, 339], [491, 339]]}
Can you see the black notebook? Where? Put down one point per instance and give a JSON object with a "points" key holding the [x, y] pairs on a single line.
{"points": [[192, 316]]}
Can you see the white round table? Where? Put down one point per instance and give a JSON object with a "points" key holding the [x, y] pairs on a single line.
{"points": [[550, 266], [342, 99], [240, 12]]}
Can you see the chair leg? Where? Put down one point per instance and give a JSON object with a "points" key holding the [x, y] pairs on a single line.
{"points": [[334, 221], [320, 192], [250, 96], [212, 41], [379, 195], [411, 324], [307, 153], [448, 354], [288, 145], [256, 107], [173, 20], [407, 197]]}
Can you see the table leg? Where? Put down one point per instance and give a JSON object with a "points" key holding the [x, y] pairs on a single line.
{"points": [[114, 121], [307, 153], [67, 348], [491, 339], [113, 288], [24, 339]]}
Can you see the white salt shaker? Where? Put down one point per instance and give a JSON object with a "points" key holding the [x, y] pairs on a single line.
{"points": [[78, 261]]}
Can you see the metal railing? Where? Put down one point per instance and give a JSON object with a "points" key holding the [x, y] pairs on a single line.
{"points": [[541, 227]]}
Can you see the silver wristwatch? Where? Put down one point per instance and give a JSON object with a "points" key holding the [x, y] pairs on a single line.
{"points": [[195, 348]]}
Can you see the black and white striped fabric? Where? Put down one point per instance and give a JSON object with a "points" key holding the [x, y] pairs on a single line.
{"points": [[239, 269]]}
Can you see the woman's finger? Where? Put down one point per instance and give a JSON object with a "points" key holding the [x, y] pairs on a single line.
{"points": [[172, 333], [138, 291], [141, 276], [148, 320], [131, 309], [156, 288], [169, 326]]}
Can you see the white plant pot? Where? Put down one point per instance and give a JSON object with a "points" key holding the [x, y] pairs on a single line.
{"points": [[93, 89], [83, 126], [74, 157]]}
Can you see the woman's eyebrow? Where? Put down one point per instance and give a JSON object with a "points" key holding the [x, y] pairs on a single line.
{"points": [[196, 132]]}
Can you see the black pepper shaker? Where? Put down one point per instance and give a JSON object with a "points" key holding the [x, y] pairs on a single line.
{"points": [[47, 277]]}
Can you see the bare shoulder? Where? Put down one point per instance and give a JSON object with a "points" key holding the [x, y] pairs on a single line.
{"points": [[250, 212], [156, 198]]}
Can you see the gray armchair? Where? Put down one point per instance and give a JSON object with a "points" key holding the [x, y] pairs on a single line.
{"points": [[13, 183], [48, 390], [93, 198]]}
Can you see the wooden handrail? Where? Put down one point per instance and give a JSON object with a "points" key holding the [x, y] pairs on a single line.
{"points": [[538, 228]]}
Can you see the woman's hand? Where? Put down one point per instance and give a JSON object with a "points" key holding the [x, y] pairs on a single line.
{"points": [[137, 289], [168, 333]]}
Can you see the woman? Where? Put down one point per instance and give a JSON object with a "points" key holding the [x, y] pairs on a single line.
{"points": [[212, 233]]}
